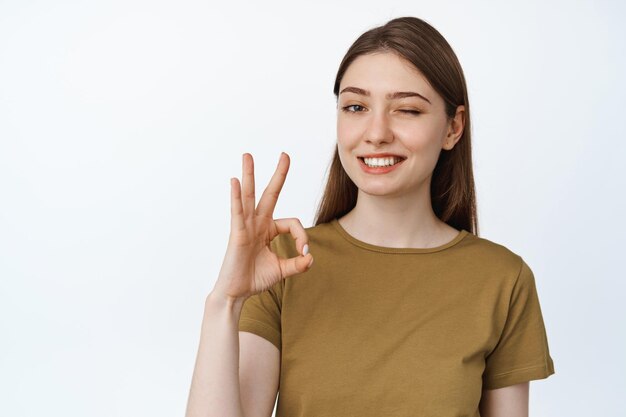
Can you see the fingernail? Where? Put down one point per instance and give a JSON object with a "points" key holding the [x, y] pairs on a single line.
{"points": [[305, 249], [310, 263]]}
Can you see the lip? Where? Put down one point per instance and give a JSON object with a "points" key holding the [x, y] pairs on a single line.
{"points": [[380, 155], [378, 170]]}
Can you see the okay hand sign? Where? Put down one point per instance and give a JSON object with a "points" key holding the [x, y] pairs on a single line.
{"points": [[249, 266]]}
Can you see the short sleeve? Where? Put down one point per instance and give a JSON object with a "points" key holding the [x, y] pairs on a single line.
{"points": [[261, 313], [522, 352]]}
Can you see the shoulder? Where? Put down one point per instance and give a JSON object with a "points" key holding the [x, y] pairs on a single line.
{"points": [[493, 257], [490, 248]]}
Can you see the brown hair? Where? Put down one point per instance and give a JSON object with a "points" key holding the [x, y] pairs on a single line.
{"points": [[452, 188]]}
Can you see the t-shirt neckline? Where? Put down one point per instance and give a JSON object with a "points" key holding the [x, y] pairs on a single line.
{"points": [[335, 223]]}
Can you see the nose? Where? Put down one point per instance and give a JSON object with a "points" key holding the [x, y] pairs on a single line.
{"points": [[379, 129]]}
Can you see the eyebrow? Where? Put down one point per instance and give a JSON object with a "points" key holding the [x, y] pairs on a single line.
{"points": [[389, 96]]}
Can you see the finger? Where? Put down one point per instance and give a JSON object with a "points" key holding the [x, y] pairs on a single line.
{"points": [[297, 265], [247, 190], [301, 262], [236, 210], [293, 226], [268, 200]]}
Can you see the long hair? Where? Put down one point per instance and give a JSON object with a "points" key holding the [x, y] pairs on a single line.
{"points": [[452, 187]]}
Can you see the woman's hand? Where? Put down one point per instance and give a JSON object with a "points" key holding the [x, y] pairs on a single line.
{"points": [[249, 266]]}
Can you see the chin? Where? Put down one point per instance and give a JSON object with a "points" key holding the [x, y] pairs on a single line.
{"points": [[380, 191]]}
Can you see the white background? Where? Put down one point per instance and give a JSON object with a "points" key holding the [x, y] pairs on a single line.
{"points": [[121, 123]]}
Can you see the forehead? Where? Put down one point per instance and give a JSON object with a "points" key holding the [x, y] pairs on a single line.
{"points": [[386, 72]]}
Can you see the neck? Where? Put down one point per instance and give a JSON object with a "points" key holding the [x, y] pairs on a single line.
{"points": [[406, 221]]}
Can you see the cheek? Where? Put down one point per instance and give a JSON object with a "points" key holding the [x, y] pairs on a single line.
{"points": [[419, 144], [344, 129], [343, 151], [423, 140], [347, 137]]}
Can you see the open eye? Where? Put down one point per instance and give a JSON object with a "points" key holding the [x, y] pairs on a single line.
{"points": [[345, 108]]}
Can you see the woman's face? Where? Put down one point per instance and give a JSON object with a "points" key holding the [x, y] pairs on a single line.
{"points": [[371, 121]]}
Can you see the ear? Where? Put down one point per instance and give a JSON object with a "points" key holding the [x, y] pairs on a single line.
{"points": [[455, 128]]}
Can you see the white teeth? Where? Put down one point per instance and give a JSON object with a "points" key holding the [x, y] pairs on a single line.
{"points": [[381, 162]]}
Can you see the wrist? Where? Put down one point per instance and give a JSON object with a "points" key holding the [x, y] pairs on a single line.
{"points": [[223, 301]]}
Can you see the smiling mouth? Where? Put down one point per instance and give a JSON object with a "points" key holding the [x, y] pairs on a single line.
{"points": [[381, 162]]}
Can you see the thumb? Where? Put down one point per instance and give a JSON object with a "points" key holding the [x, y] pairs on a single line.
{"points": [[296, 265]]}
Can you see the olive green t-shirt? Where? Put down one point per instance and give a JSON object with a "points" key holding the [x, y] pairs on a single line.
{"points": [[378, 331]]}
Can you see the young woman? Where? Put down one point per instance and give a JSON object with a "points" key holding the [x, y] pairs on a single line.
{"points": [[405, 311]]}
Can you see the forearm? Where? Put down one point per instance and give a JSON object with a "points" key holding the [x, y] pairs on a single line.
{"points": [[215, 384], [511, 401]]}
